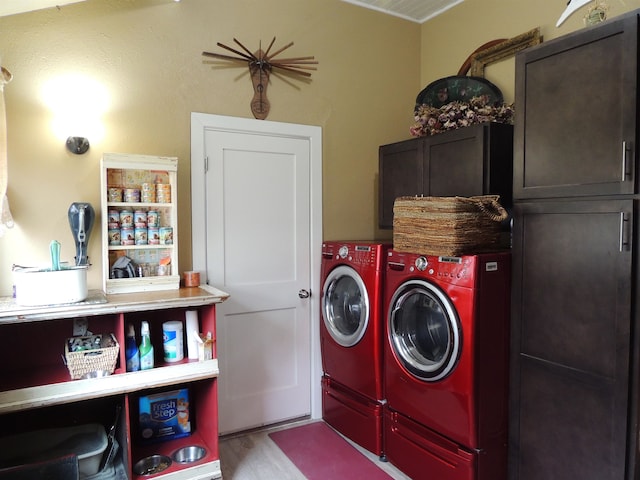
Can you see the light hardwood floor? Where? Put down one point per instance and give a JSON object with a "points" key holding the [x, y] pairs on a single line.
{"points": [[254, 456]]}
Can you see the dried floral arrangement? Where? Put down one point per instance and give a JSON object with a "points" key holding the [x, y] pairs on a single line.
{"points": [[431, 120]]}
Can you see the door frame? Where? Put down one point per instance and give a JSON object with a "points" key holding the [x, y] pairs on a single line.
{"points": [[201, 122]]}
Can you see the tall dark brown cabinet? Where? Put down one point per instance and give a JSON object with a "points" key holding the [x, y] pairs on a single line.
{"points": [[575, 340]]}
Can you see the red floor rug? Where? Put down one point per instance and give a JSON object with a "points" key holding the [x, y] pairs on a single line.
{"points": [[321, 454]]}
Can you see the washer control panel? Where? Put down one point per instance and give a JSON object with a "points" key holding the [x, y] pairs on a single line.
{"points": [[449, 269], [422, 263], [452, 267]]}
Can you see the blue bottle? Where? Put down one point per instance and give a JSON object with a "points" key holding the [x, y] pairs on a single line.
{"points": [[132, 353]]}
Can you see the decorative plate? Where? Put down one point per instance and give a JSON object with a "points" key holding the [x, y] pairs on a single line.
{"points": [[458, 88]]}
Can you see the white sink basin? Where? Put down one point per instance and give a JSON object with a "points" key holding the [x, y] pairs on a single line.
{"points": [[36, 286]]}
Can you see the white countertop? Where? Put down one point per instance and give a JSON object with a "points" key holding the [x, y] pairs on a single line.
{"points": [[98, 303]]}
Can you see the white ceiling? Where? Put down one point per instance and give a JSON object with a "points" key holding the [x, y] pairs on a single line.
{"points": [[11, 7], [415, 10]]}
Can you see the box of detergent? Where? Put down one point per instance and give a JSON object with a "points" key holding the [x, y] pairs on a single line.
{"points": [[165, 416]]}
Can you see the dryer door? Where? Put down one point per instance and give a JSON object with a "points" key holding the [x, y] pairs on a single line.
{"points": [[345, 305], [424, 330]]}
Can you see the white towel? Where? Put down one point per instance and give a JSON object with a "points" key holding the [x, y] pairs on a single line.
{"points": [[6, 220]]}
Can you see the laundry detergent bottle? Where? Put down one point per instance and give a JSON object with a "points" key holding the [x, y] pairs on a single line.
{"points": [[146, 348], [132, 353]]}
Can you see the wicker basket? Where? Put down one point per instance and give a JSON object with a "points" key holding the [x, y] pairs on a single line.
{"points": [[448, 226], [86, 361]]}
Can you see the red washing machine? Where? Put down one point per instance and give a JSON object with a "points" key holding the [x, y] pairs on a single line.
{"points": [[351, 339], [446, 365]]}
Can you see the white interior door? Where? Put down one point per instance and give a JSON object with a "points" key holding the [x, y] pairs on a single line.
{"points": [[260, 246]]}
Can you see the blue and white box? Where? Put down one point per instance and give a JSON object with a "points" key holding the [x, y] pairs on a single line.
{"points": [[165, 416]]}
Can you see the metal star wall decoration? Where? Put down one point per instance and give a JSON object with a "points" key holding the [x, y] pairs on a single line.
{"points": [[261, 64]]}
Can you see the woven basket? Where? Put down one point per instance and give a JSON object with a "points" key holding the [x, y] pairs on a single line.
{"points": [[448, 226], [83, 362]]}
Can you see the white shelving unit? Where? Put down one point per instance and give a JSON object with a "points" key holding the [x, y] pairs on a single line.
{"points": [[124, 172]]}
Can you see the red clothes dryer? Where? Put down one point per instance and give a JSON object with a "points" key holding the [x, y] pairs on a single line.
{"points": [[446, 365], [351, 339]]}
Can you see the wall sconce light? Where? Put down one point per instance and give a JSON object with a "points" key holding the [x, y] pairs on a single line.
{"points": [[77, 104], [77, 145]]}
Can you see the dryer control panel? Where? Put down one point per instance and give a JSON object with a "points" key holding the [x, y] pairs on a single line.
{"points": [[355, 253]]}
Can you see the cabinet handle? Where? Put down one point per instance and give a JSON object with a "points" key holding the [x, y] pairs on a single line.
{"points": [[623, 232], [624, 160]]}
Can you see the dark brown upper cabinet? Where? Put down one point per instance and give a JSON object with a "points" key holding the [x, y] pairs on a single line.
{"points": [[575, 115], [475, 160]]}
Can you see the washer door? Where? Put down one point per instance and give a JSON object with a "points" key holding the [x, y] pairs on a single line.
{"points": [[345, 305], [424, 330]]}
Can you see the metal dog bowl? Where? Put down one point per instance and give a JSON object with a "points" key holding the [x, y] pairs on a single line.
{"points": [[152, 465], [189, 454]]}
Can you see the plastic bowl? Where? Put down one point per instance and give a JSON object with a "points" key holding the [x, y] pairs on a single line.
{"points": [[37, 287], [189, 454], [152, 465]]}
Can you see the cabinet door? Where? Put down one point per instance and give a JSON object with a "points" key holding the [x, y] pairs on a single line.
{"points": [[476, 160], [401, 170], [571, 340], [454, 164], [575, 122]]}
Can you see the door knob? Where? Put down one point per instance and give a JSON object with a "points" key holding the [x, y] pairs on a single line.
{"points": [[304, 293]]}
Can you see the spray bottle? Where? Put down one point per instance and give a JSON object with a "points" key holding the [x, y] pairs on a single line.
{"points": [[146, 348], [131, 351]]}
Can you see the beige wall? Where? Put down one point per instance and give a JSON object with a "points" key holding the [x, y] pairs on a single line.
{"points": [[146, 54], [448, 39]]}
